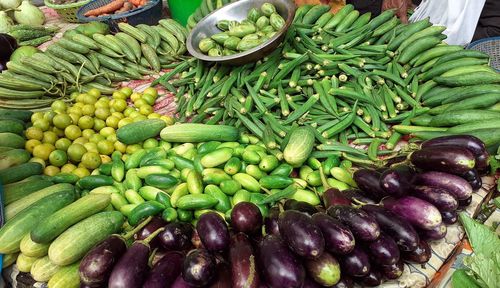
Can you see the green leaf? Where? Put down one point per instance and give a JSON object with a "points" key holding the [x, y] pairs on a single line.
{"points": [[486, 268], [494, 163], [460, 279], [496, 201], [482, 239]]}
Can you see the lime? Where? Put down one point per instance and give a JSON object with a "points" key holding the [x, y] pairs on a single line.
{"points": [[99, 124], [106, 131], [124, 122], [87, 133], [145, 109], [58, 106], [135, 96], [96, 93], [81, 172], [112, 138], [112, 121], [105, 159], [51, 170], [168, 120], [139, 102], [86, 122], [119, 95], [62, 120], [151, 91], [119, 146], [43, 124], [43, 150], [72, 132], [150, 143], [36, 116], [154, 115], [74, 117], [34, 133], [49, 137], [118, 104], [59, 132], [58, 158], [150, 99], [133, 148], [63, 144], [102, 113], [75, 152], [31, 144], [88, 109], [49, 115], [91, 160], [127, 91], [68, 168], [23, 51], [91, 147], [118, 115], [96, 138], [105, 147], [81, 140]]}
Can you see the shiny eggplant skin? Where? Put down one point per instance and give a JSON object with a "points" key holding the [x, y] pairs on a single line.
{"points": [[98, 263], [301, 234], [474, 179], [449, 217], [213, 232], [419, 213], [223, 279], [356, 263], [244, 272], [369, 181], [465, 202], [325, 269], [384, 250], [456, 185], [356, 196], [345, 282], [271, 221], [338, 238], [304, 207], [246, 218], [155, 224], [280, 267], [131, 270], [373, 279], [180, 283], [363, 226], [309, 283], [420, 255], [434, 234], [165, 271], [400, 230], [442, 199], [199, 268], [397, 181], [333, 196], [393, 271], [449, 159], [176, 236]]}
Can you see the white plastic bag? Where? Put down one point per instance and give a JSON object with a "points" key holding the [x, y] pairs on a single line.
{"points": [[459, 16]]}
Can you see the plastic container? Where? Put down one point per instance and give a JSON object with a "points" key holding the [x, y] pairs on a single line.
{"points": [[182, 9], [67, 11]]}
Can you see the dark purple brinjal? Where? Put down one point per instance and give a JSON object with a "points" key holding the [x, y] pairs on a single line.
{"points": [[246, 218], [373, 279], [363, 226], [223, 279], [400, 230], [356, 263], [356, 196], [301, 234], [176, 236], [420, 213], [449, 159], [344, 282], [271, 221], [213, 232], [369, 181], [131, 270], [442, 199], [244, 272], [338, 238], [8, 45], [180, 283], [301, 206], [199, 268], [420, 255], [155, 224], [98, 263], [309, 283], [280, 267], [325, 269], [165, 271], [333, 196], [465, 202], [433, 234], [474, 179], [393, 271], [449, 217], [397, 181], [384, 250], [454, 184], [471, 143]]}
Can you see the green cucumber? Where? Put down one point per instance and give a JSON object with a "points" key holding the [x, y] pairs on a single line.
{"points": [[299, 146], [196, 202], [24, 115], [136, 132], [452, 118], [12, 140], [32, 249], [194, 133], [162, 181], [18, 190], [43, 269], [93, 181], [275, 182], [19, 172], [12, 126], [474, 78], [13, 157]]}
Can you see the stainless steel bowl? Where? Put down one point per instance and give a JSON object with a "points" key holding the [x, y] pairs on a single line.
{"points": [[238, 11]]}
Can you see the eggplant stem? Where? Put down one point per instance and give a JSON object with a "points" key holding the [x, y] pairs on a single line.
{"points": [[323, 178], [358, 202], [151, 257], [137, 228], [152, 236]]}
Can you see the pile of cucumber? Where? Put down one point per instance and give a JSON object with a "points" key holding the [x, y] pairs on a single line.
{"points": [[82, 61], [27, 35]]}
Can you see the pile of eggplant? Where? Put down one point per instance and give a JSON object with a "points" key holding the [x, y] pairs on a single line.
{"points": [[360, 235]]}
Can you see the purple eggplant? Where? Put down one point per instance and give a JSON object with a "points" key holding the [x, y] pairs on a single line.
{"points": [[456, 185], [369, 181], [155, 224], [325, 269], [363, 226], [310, 283], [302, 206], [213, 232], [344, 282], [373, 279], [384, 250], [397, 181], [280, 267], [244, 270], [131, 270], [271, 221], [449, 159], [356, 263], [474, 179], [442, 199], [465, 202], [436, 233], [301, 234], [165, 271], [98, 263], [356, 196], [393, 271], [180, 283], [333, 196], [449, 217], [338, 238], [400, 230], [223, 277], [419, 213], [199, 268], [176, 236], [246, 218], [420, 255], [471, 143]]}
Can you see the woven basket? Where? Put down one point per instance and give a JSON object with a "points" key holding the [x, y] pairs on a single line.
{"points": [[67, 11], [490, 46]]}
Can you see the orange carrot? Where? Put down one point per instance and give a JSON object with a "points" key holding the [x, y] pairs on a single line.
{"points": [[135, 2], [106, 9]]}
